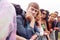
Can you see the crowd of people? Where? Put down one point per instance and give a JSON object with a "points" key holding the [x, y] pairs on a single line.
{"points": [[37, 24], [33, 24]]}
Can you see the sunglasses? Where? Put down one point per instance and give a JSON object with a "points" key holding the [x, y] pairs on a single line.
{"points": [[44, 13]]}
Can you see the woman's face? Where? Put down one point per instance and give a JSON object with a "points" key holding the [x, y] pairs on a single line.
{"points": [[43, 15]]}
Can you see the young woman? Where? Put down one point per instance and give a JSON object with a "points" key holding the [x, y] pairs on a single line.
{"points": [[43, 25]]}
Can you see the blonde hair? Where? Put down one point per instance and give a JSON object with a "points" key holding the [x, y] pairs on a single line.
{"points": [[54, 14], [38, 16]]}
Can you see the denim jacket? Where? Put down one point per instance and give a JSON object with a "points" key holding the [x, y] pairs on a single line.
{"points": [[24, 29]]}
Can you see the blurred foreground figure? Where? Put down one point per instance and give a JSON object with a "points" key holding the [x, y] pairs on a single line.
{"points": [[7, 21]]}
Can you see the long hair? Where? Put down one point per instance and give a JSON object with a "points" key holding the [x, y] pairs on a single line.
{"points": [[46, 18], [47, 13], [38, 16]]}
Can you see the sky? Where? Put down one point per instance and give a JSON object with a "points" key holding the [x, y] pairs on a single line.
{"points": [[51, 5]]}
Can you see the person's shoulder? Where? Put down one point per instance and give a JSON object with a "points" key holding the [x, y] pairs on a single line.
{"points": [[19, 16]]}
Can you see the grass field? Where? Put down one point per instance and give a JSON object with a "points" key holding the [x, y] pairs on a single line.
{"points": [[59, 36]]}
